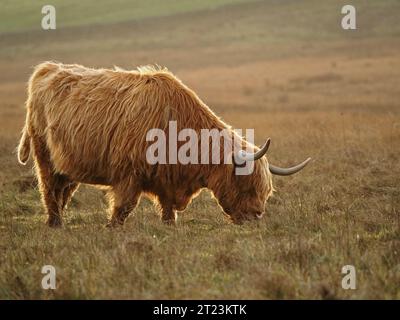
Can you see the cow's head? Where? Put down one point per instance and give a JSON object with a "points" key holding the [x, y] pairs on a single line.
{"points": [[244, 197]]}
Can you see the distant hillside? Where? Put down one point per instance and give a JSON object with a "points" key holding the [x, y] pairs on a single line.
{"points": [[25, 15]]}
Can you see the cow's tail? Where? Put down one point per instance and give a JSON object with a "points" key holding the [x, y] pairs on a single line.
{"points": [[24, 147], [41, 71]]}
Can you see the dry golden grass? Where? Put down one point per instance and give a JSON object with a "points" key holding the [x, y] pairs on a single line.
{"points": [[336, 101]]}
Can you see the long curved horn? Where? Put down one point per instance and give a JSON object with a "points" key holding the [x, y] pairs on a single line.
{"points": [[288, 171], [243, 156]]}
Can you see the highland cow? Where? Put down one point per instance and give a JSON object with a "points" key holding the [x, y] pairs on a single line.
{"points": [[89, 126]]}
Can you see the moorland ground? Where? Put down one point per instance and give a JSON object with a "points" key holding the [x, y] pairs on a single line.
{"points": [[286, 69]]}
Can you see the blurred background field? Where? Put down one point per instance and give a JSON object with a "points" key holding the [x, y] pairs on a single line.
{"points": [[284, 68]]}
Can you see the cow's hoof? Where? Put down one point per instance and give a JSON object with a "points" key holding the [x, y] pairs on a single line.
{"points": [[54, 222], [113, 225], [169, 222], [110, 225]]}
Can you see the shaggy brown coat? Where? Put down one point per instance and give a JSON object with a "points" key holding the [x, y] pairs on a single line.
{"points": [[89, 126]]}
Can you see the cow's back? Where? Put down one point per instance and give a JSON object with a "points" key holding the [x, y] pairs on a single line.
{"points": [[95, 121]]}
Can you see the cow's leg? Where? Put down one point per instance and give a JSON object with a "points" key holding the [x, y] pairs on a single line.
{"points": [[168, 213], [122, 202], [64, 189], [48, 181], [67, 193]]}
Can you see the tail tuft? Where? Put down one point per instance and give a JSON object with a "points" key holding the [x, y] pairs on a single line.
{"points": [[24, 147]]}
